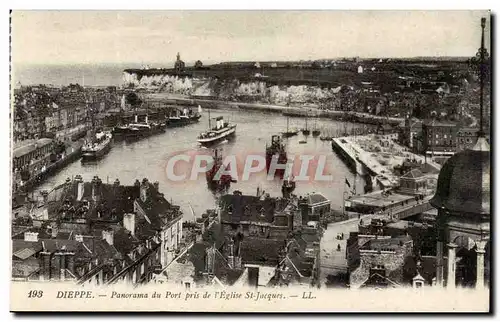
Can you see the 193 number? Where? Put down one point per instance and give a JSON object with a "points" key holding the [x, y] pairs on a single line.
{"points": [[33, 294]]}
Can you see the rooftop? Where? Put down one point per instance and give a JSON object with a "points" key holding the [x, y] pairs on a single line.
{"points": [[379, 199]]}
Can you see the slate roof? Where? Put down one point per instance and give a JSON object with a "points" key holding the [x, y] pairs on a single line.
{"points": [[261, 251], [413, 174], [247, 208], [426, 269], [124, 242], [386, 244], [25, 268], [18, 245], [377, 280], [316, 198]]}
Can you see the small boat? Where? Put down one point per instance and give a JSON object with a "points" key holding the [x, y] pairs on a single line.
{"points": [[305, 130], [302, 142], [221, 131], [289, 132], [315, 131], [97, 147]]}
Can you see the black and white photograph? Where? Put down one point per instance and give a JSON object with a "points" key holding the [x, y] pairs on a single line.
{"points": [[250, 161]]}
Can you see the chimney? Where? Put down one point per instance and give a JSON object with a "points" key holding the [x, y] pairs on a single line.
{"points": [[290, 221], [230, 257], [80, 191], [210, 260], [45, 196], [253, 276], [70, 262], [57, 265], [62, 265], [144, 189], [54, 232], [108, 236], [129, 222], [30, 236], [45, 265]]}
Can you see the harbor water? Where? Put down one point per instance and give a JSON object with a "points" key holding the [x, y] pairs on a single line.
{"points": [[147, 158]]}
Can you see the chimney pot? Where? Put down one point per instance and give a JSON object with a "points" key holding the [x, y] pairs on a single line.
{"points": [[129, 223]]}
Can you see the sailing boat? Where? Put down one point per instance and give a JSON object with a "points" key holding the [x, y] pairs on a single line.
{"points": [[288, 132], [316, 131], [305, 130]]}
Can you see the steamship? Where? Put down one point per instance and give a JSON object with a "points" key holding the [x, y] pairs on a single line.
{"points": [[139, 129], [183, 118], [276, 149], [221, 131], [97, 147]]}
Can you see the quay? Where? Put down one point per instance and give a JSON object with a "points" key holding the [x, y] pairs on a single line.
{"points": [[377, 155], [293, 111]]}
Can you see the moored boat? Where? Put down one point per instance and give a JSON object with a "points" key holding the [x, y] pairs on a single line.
{"points": [[186, 117], [97, 147]]}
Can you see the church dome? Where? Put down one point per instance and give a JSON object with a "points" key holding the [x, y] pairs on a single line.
{"points": [[464, 181]]}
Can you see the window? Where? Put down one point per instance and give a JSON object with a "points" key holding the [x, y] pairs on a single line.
{"points": [[437, 136], [188, 285], [445, 136], [142, 268]]}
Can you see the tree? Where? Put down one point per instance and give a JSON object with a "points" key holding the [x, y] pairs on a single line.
{"points": [[198, 64], [132, 99]]}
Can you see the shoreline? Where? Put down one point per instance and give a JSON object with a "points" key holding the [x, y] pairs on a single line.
{"points": [[291, 111]]}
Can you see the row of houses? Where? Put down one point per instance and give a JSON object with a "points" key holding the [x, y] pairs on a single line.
{"points": [[256, 241], [96, 233]]}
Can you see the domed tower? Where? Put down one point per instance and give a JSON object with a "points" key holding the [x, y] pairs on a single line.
{"points": [[463, 202]]}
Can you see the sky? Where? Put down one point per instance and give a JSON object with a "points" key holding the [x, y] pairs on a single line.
{"points": [[155, 37]]}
